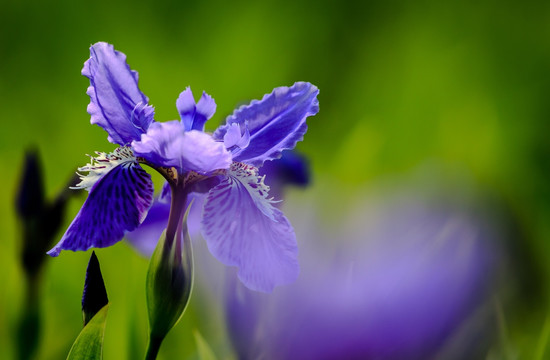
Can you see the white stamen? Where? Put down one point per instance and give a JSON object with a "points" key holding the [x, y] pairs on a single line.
{"points": [[102, 164]]}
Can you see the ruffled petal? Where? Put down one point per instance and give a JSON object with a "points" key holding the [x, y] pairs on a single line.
{"points": [[116, 103], [276, 123], [206, 107], [243, 229], [194, 116], [167, 144], [119, 199]]}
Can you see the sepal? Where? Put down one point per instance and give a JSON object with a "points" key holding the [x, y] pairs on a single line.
{"points": [[101, 164], [242, 228], [121, 193]]}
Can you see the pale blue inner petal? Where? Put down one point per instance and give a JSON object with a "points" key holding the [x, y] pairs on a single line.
{"points": [[168, 144]]}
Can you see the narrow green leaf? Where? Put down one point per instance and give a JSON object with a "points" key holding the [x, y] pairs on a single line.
{"points": [[204, 350], [89, 343]]}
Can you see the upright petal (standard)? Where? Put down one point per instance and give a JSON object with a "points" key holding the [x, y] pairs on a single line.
{"points": [[116, 103], [194, 116]]}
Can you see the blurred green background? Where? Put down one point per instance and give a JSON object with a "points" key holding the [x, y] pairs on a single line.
{"points": [[458, 86]]}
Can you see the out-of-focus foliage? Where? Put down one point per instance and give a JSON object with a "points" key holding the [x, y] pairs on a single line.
{"points": [[458, 89]]}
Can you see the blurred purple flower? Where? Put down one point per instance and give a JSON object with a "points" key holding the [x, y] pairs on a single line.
{"points": [[404, 277], [239, 222]]}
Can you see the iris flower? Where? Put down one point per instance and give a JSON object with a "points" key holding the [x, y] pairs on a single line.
{"points": [[239, 222], [404, 285], [291, 169]]}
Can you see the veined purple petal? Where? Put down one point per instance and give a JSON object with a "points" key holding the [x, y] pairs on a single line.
{"points": [[243, 229], [118, 202], [194, 116], [276, 123], [195, 214], [167, 144], [116, 103]]}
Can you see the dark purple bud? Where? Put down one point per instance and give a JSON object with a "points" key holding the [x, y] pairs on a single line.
{"points": [[54, 212], [291, 169], [41, 227], [30, 196], [94, 297]]}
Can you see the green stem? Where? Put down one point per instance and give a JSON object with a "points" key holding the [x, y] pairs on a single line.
{"points": [[28, 328], [177, 209], [169, 279], [153, 347]]}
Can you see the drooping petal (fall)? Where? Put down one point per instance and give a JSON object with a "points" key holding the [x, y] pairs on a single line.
{"points": [[116, 103], [276, 123], [243, 229], [168, 144], [120, 196], [194, 116]]}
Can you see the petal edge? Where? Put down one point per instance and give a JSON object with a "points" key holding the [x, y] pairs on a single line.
{"points": [[118, 202], [116, 103], [243, 230], [276, 123]]}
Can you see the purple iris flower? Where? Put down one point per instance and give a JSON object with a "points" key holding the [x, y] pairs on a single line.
{"points": [[239, 221], [290, 169], [401, 280]]}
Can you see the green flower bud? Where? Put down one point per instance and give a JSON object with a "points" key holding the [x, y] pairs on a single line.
{"points": [[169, 284]]}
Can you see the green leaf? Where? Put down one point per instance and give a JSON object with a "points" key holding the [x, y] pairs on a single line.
{"points": [[89, 343], [205, 351]]}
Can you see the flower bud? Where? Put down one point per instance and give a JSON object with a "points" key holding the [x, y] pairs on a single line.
{"points": [[94, 296], [169, 281]]}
